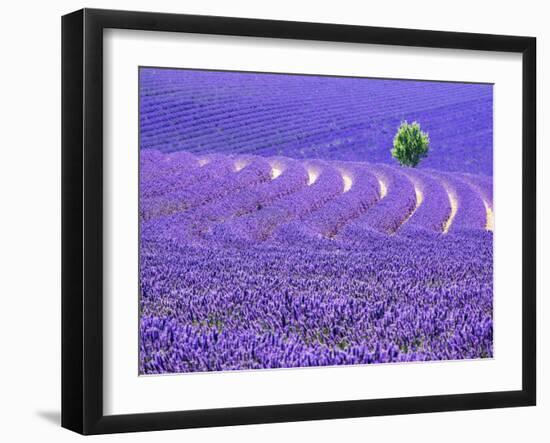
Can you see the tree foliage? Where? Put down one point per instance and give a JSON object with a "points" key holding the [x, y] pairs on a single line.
{"points": [[410, 144]]}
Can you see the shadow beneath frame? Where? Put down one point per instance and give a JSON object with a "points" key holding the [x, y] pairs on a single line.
{"points": [[53, 417]]}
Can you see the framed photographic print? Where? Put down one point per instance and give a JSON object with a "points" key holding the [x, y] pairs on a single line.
{"points": [[269, 221]]}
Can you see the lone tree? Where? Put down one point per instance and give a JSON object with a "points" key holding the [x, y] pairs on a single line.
{"points": [[410, 144]]}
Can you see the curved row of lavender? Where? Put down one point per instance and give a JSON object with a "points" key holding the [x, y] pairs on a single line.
{"points": [[277, 232]]}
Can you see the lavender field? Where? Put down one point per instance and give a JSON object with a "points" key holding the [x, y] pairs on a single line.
{"points": [[277, 231]]}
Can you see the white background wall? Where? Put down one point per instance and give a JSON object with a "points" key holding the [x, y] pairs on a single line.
{"points": [[30, 219]]}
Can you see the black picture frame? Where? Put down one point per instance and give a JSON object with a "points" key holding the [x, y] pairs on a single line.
{"points": [[82, 218]]}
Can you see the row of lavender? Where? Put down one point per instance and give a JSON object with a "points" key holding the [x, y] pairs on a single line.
{"points": [[223, 198]]}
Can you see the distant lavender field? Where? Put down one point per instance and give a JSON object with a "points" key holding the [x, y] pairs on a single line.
{"points": [[277, 231]]}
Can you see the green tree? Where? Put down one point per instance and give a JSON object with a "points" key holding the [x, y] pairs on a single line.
{"points": [[410, 144]]}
